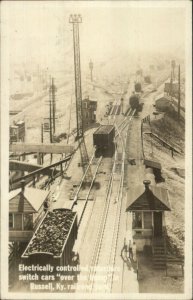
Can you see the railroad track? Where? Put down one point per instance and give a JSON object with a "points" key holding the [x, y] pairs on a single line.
{"points": [[107, 234]]}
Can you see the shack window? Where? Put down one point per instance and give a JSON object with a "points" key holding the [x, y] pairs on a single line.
{"points": [[11, 225], [137, 220], [147, 217], [28, 221]]}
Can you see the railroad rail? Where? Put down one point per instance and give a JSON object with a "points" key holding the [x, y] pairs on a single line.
{"points": [[116, 212]]}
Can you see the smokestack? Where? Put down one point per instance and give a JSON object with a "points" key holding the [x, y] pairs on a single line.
{"points": [[22, 185], [146, 183]]}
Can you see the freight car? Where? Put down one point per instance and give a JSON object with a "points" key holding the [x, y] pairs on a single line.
{"points": [[147, 79], [53, 240], [135, 102], [103, 137], [138, 87], [103, 140]]}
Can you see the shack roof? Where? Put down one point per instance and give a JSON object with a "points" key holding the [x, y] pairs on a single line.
{"points": [[104, 129], [29, 201], [173, 81], [162, 96], [152, 199], [152, 164], [20, 122]]}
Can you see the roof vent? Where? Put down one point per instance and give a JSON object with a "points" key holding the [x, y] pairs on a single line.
{"points": [[147, 183]]}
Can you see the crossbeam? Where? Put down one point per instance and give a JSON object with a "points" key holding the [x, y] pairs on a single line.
{"points": [[42, 170], [41, 148], [15, 165]]}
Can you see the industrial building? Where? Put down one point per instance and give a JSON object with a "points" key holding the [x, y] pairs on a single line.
{"points": [[147, 206], [89, 108], [17, 132], [163, 103], [171, 88]]}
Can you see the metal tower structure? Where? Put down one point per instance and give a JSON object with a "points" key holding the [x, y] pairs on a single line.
{"points": [[75, 20]]}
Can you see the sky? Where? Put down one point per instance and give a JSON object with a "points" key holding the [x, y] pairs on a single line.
{"points": [[40, 31]]}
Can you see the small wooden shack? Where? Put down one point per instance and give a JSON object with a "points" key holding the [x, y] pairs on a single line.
{"points": [[89, 108], [162, 103], [27, 206], [171, 88], [147, 206]]}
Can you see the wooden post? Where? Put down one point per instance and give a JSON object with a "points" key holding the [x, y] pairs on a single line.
{"points": [[61, 169], [34, 181]]}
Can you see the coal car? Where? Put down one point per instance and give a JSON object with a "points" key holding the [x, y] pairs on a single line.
{"points": [[138, 88], [103, 140], [53, 240], [103, 137]]}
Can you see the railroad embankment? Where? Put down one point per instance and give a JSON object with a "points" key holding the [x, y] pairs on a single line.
{"points": [[173, 170]]}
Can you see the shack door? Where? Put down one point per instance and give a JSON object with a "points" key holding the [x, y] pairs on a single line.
{"points": [[157, 223]]}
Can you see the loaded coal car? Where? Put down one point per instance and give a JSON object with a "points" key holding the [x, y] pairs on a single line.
{"points": [[135, 102], [147, 79], [103, 140], [53, 240]]}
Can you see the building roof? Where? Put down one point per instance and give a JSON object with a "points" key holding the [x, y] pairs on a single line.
{"points": [[90, 100], [28, 201], [162, 99], [173, 81], [162, 96], [151, 199], [20, 122], [152, 164]]}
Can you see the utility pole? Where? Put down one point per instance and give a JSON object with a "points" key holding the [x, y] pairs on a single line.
{"points": [[42, 133], [171, 87], [53, 90], [50, 118], [75, 20], [173, 65], [91, 69], [179, 93]]}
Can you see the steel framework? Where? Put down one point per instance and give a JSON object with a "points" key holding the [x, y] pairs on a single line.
{"points": [[75, 20]]}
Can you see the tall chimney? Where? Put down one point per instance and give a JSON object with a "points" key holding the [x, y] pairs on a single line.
{"points": [[146, 183]]}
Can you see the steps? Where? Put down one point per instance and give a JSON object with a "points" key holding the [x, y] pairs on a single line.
{"points": [[159, 256]]}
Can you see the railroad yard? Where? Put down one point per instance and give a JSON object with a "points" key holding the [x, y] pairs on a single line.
{"points": [[106, 157]]}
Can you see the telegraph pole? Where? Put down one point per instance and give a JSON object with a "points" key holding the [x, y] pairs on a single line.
{"points": [[179, 93], [173, 65], [50, 107], [171, 86], [53, 90]]}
